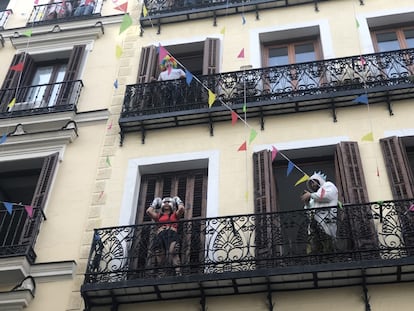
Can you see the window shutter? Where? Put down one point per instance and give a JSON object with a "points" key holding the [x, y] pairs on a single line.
{"points": [[264, 182], [39, 197], [398, 168], [211, 56], [148, 64], [350, 175], [74, 63]]}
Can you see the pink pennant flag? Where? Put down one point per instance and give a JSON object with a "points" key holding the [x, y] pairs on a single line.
{"points": [[123, 7], [243, 147], [162, 52], [322, 193], [234, 117], [274, 152], [363, 62], [110, 125], [411, 209], [29, 210], [36, 2], [241, 54]]}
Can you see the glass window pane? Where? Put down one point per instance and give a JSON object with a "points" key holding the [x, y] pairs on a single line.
{"points": [[387, 41], [304, 53], [409, 38], [42, 75], [278, 56]]}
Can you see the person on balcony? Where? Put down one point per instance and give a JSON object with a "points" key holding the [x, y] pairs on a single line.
{"points": [[169, 70], [58, 9], [166, 213], [322, 194], [84, 7]]}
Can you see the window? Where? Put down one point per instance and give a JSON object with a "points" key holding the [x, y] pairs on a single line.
{"points": [[43, 83], [393, 39], [200, 58], [275, 193], [27, 182]]}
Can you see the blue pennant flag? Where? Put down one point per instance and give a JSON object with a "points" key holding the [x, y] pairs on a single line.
{"points": [[188, 77], [116, 84], [3, 139], [363, 99], [8, 206], [290, 168]]}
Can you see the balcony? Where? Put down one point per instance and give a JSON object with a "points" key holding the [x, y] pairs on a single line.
{"points": [[172, 11], [18, 232], [255, 253], [40, 99], [321, 85], [57, 12]]}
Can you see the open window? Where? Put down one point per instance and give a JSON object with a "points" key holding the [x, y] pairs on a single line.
{"points": [[46, 80]]}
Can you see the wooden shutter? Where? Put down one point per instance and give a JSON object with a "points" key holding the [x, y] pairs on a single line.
{"points": [[44, 182], [264, 183], [211, 56], [148, 64], [398, 168], [349, 173]]}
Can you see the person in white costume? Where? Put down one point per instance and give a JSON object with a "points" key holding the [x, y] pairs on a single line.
{"points": [[322, 194]]}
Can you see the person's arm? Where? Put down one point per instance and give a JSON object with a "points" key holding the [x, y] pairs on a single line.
{"points": [[328, 193], [152, 210], [180, 207]]}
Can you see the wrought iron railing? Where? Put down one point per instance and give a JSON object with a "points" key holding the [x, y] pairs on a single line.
{"points": [[40, 99], [377, 72], [4, 16], [380, 231], [61, 11], [18, 231]]}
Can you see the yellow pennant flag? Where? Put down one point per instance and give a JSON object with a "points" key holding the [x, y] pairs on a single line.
{"points": [[303, 179], [11, 104], [368, 137], [144, 11], [223, 30], [118, 51], [211, 98]]}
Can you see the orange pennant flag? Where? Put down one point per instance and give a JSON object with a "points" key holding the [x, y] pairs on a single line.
{"points": [[234, 117], [243, 147], [17, 67], [211, 98]]}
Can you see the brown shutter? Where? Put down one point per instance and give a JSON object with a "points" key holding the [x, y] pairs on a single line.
{"points": [[148, 64], [398, 168], [39, 197], [263, 183], [211, 56], [349, 173]]}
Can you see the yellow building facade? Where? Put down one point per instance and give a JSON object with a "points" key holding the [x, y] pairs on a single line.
{"points": [[271, 92]]}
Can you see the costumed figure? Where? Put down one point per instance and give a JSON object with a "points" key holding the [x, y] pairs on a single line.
{"points": [[322, 194], [169, 70], [166, 213]]}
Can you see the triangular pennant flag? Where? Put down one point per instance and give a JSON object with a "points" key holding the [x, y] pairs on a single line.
{"points": [[274, 152], [363, 62], [241, 54], [110, 125], [118, 51], [253, 135], [322, 193], [169, 69], [162, 52], [289, 168], [36, 2], [8, 206], [3, 138], [116, 83], [340, 204], [29, 210], [244, 107], [101, 195], [123, 7], [211, 98], [223, 30], [303, 179], [243, 147], [27, 33], [234, 117], [144, 10], [108, 161], [188, 77], [368, 137], [243, 20], [411, 209], [17, 67], [363, 99], [357, 23], [11, 104], [126, 23]]}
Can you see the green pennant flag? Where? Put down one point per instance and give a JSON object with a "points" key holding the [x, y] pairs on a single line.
{"points": [[253, 134], [27, 33], [126, 23], [244, 107]]}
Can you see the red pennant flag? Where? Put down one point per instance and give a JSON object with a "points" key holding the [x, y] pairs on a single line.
{"points": [[29, 210], [243, 147], [123, 7], [18, 67], [241, 54], [234, 117]]}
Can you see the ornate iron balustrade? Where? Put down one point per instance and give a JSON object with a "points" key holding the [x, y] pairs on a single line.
{"points": [[40, 99], [272, 87], [4, 16], [380, 231], [63, 12], [18, 232]]}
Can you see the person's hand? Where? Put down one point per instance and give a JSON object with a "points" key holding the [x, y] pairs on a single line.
{"points": [[177, 201], [305, 197], [156, 204]]}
